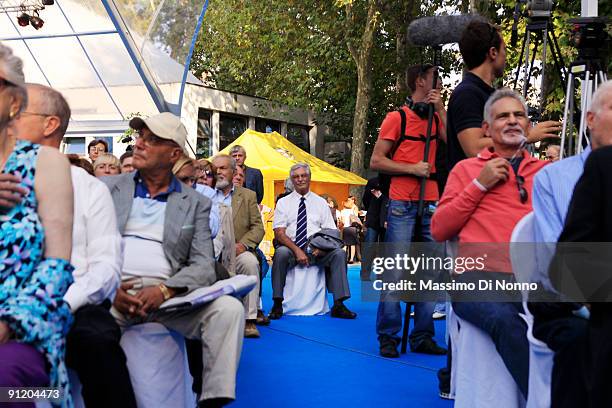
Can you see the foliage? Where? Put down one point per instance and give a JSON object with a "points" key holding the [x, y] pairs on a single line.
{"points": [[297, 52], [501, 12]]}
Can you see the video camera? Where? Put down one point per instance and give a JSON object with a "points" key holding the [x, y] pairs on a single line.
{"points": [[540, 8], [589, 35]]}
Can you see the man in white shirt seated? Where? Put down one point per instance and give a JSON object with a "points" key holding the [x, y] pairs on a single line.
{"points": [[93, 348], [297, 217]]}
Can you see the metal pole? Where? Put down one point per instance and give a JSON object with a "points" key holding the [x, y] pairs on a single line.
{"points": [[132, 49]]}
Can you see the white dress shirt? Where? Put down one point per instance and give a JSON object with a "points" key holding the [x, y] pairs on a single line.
{"points": [[318, 214], [96, 244]]}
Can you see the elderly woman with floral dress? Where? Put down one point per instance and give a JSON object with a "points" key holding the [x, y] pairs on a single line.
{"points": [[35, 246]]}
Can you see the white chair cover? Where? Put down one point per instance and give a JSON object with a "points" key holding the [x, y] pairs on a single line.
{"points": [[305, 292], [540, 356], [157, 362], [479, 376]]}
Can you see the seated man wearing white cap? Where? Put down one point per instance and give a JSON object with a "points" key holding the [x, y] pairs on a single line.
{"points": [[168, 251]]}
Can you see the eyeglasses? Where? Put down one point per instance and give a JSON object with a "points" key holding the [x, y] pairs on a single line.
{"points": [[523, 195], [36, 114], [150, 139], [208, 174], [189, 180]]}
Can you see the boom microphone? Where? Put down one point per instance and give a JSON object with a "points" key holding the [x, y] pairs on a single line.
{"points": [[438, 30]]}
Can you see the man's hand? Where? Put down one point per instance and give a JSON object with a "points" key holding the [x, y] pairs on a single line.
{"points": [[433, 96], [301, 257], [493, 172], [5, 332], [421, 169], [11, 193], [544, 130], [240, 248], [151, 298], [126, 303]]}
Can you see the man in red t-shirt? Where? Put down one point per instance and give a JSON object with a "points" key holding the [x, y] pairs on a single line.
{"points": [[408, 167]]}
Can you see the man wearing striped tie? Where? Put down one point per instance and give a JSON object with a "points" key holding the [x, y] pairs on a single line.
{"points": [[298, 216]]}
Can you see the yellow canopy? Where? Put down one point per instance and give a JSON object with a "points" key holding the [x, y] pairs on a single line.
{"points": [[274, 155]]}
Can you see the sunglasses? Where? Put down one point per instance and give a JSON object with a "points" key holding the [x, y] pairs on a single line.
{"points": [[523, 195]]}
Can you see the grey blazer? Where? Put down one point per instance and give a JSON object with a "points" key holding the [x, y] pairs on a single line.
{"points": [[186, 242]]}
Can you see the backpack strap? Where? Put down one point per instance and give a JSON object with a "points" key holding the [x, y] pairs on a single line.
{"points": [[403, 136]]}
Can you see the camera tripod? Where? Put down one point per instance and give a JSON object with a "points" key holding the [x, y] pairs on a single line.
{"points": [[542, 28], [590, 36], [591, 73]]}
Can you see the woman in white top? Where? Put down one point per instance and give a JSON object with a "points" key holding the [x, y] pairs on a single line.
{"points": [[350, 234]]}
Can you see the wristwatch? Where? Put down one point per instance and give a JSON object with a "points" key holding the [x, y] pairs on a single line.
{"points": [[164, 290]]}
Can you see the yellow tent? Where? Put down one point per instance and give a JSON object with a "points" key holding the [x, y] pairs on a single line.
{"points": [[274, 155]]}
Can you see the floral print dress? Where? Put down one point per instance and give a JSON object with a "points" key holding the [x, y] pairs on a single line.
{"points": [[31, 286]]}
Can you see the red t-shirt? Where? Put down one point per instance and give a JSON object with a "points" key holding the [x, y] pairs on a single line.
{"points": [[407, 188]]}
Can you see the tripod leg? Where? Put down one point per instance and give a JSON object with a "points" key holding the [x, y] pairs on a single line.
{"points": [[520, 60], [569, 95], [584, 99], [527, 73], [558, 57], [543, 81], [528, 81]]}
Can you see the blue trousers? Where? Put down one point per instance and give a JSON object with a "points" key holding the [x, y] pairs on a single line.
{"points": [[401, 219]]}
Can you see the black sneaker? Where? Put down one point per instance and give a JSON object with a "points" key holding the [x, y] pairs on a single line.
{"points": [[388, 347], [428, 346]]}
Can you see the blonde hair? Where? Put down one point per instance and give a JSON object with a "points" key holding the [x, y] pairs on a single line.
{"points": [[180, 163], [107, 158]]}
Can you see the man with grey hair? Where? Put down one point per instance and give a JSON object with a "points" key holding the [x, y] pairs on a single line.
{"points": [[93, 348], [553, 188], [495, 185], [297, 217], [253, 177]]}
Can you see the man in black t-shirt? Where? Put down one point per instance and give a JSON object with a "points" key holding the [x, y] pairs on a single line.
{"points": [[484, 55]]}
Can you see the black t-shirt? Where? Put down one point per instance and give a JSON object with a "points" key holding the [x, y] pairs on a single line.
{"points": [[465, 111]]}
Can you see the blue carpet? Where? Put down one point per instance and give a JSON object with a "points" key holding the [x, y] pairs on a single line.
{"points": [[316, 361]]}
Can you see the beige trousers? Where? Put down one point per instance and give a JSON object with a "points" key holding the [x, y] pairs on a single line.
{"points": [[248, 264], [220, 327]]}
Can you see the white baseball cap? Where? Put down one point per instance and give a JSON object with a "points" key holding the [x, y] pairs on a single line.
{"points": [[165, 125]]}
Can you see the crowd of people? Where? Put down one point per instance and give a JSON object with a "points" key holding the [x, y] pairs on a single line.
{"points": [[91, 246]]}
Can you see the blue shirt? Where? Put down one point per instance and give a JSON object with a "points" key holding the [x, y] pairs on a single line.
{"points": [[214, 218], [142, 191], [553, 188], [221, 198]]}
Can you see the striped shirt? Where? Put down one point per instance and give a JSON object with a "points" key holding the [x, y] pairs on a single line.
{"points": [[553, 188]]}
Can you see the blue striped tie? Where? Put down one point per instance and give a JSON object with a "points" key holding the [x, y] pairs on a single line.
{"points": [[300, 232]]}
